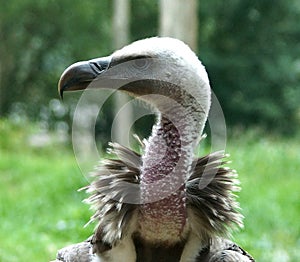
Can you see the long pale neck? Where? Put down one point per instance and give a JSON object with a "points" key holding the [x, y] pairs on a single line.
{"points": [[169, 151], [166, 165], [164, 150]]}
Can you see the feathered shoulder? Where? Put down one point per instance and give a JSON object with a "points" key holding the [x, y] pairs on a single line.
{"points": [[210, 196]]}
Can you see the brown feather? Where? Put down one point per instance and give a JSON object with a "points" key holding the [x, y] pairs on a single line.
{"points": [[213, 209], [214, 206]]}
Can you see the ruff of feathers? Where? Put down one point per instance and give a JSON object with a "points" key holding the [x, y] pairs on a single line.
{"points": [[212, 211]]}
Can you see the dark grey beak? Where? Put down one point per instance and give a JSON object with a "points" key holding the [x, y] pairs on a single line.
{"points": [[79, 75]]}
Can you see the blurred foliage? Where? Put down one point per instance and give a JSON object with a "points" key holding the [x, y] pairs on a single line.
{"points": [[251, 52], [39, 39], [249, 47]]}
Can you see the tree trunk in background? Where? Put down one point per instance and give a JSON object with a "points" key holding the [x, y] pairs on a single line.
{"points": [[121, 24], [179, 19]]}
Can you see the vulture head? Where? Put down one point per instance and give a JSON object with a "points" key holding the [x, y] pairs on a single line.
{"points": [[150, 207], [161, 71]]}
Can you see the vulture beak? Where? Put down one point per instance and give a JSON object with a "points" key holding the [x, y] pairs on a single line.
{"points": [[79, 75]]}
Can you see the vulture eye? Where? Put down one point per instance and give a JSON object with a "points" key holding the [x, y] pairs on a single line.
{"points": [[141, 63]]}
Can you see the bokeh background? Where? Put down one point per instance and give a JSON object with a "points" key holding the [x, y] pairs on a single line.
{"points": [[251, 51]]}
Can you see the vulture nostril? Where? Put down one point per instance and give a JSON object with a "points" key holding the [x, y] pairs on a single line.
{"points": [[96, 67]]}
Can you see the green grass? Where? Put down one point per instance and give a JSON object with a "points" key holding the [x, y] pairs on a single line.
{"points": [[270, 174], [41, 210]]}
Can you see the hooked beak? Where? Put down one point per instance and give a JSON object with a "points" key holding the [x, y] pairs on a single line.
{"points": [[79, 75]]}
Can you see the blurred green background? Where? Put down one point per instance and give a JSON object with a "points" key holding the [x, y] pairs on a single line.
{"points": [[251, 51]]}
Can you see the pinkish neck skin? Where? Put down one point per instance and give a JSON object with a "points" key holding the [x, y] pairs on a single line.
{"points": [[166, 163]]}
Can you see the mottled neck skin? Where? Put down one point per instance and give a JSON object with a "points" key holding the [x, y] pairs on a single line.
{"points": [[166, 165]]}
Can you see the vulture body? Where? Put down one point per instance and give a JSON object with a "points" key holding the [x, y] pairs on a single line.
{"points": [[158, 206]]}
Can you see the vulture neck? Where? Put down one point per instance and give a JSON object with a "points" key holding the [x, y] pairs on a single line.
{"points": [[166, 164]]}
